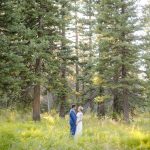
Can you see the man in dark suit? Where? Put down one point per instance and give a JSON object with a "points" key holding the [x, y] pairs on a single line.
{"points": [[73, 119]]}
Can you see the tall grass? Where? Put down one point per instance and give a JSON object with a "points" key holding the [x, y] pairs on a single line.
{"points": [[19, 132]]}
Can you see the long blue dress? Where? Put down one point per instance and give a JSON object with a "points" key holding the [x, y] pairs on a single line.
{"points": [[73, 119]]}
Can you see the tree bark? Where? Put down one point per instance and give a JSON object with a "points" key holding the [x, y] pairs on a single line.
{"points": [[101, 105], [90, 48], [48, 102], [125, 97], [124, 75], [77, 52], [63, 68], [63, 93], [90, 30], [36, 101], [116, 102], [101, 109], [125, 106]]}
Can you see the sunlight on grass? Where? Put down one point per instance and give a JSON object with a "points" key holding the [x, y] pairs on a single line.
{"points": [[52, 133]]}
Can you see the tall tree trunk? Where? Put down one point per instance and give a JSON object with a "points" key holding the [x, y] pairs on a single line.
{"points": [[63, 68], [125, 105], [76, 47], [124, 75], [90, 47], [116, 102], [48, 102], [36, 101], [101, 105], [83, 89], [90, 30], [63, 93], [125, 97], [101, 109]]}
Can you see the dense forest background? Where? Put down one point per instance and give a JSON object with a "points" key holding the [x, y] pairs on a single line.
{"points": [[94, 53]]}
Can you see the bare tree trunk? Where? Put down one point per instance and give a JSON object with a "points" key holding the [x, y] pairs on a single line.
{"points": [[90, 48], [62, 107], [125, 106], [124, 75], [77, 52], [116, 102], [63, 68], [101, 105], [48, 102], [83, 89], [63, 93], [101, 109], [125, 98], [36, 101], [90, 30]]}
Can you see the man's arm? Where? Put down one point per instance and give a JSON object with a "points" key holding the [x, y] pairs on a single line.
{"points": [[73, 116]]}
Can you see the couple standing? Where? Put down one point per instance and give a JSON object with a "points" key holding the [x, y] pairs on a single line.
{"points": [[76, 121]]}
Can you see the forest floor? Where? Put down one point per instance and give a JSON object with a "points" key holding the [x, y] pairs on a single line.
{"points": [[19, 132]]}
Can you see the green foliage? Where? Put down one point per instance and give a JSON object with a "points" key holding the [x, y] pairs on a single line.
{"points": [[146, 50], [53, 133], [11, 64], [97, 80], [100, 99], [29, 32], [118, 50], [38, 46]]}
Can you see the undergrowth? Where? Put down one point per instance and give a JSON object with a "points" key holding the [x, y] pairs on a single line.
{"points": [[19, 132]]}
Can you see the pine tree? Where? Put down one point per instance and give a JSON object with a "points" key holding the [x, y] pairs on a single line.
{"points": [[65, 55], [87, 49], [118, 51], [11, 64], [82, 27], [77, 48], [146, 48], [40, 22]]}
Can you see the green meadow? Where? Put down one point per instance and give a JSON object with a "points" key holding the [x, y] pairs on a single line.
{"points": [[19, 132]]}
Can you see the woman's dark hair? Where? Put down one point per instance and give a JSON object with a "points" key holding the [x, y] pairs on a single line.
{"points": [[73, 105]]}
